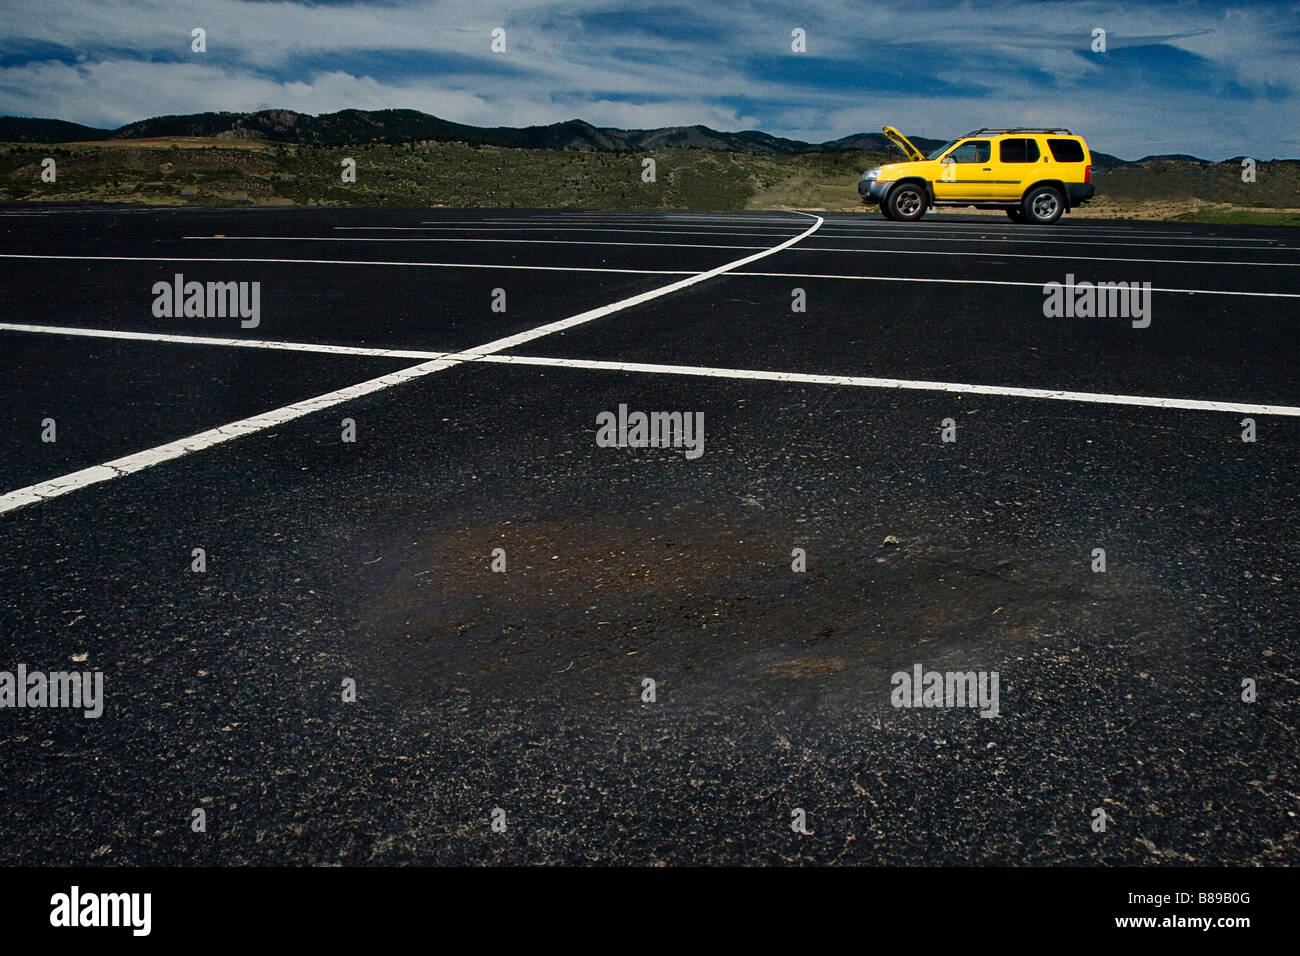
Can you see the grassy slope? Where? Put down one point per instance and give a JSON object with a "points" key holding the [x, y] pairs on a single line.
{"points": [[1242, 217], [224, 172], [420, 174]]}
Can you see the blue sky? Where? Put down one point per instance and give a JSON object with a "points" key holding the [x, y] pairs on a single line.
{"points": [[1212, 79]]}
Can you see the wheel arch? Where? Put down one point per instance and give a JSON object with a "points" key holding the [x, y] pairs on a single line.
{"points": [[1056, 184], [921, 181]]}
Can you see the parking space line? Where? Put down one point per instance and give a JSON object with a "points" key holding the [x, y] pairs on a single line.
{"points": [[118, 467], [130, 464], [659, 272], [1006, 282], [1006, 228], [1037, 241], [169, 338], [646, 232], [902, 383], [544, 242], [355, 262], [486, 354], [600, 226], [1022, 239], [1031, 255], [619, 218], [692, 245]]}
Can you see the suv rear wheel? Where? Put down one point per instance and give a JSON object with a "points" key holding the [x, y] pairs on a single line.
{"points": [[1043, 205], [1016, 215], [907, 202]]}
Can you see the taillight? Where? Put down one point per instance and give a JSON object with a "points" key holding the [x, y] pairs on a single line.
{"points": [[1087, 174]]}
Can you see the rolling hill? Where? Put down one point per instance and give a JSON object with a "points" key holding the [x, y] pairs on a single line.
{"points": [[402, 126]]}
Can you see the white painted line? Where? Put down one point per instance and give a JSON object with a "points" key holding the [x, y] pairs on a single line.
{"points": [[355, 262], [650, 272], [547, 221], [903, 383], [617, 218], [217, 340], [1034, 285], [1036, 241], [1068, 224], [622, 231], [957, 228], [570, 226], [520, 338], [692, 245], [214, 436], [1030, 255], [545, 242], [1006, 228], [901, 237], [484, 355], [206, 439]]}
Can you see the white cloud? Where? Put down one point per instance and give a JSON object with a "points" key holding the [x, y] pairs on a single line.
{"points": [[556, 70], [137, 91]]}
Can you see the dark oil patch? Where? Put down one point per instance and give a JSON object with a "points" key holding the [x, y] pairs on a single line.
{"points": [[708, 606]]}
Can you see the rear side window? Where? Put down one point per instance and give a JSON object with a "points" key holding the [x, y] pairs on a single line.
{"points": [[1018, 151], [971, 151], [1066, 150]]}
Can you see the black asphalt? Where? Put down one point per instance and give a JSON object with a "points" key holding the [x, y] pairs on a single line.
{"points": [[521, 691]]}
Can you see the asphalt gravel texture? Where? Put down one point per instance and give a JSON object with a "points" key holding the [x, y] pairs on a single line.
{"points": [[480, 692]]}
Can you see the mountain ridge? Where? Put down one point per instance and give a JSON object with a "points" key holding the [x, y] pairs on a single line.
{"points": [[402, 125]]}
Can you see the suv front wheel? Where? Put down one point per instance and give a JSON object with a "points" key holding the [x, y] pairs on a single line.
{"points": [[907, 202], [1043, 205]]}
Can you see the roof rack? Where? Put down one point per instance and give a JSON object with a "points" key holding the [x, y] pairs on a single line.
{"points": [[1020, 129]]}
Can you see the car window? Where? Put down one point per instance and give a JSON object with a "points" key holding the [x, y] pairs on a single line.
{"points": [[1066, 150], [971, 151], [1018, 151]]}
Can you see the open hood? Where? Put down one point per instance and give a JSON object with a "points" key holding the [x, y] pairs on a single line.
{"points": [[903, 143]]}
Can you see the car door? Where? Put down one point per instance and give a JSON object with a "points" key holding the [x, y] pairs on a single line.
{"points": [[966, 171], [1018, 162]]}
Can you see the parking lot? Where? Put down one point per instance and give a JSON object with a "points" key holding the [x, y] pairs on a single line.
{"points": [[833, 357]]}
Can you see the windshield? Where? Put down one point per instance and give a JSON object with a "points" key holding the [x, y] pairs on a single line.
{"points": [[941, 150]]}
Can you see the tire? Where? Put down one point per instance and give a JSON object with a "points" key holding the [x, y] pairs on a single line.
{"points": [[1017, 215], [1043, 205], [884, 210], [907, 202]]}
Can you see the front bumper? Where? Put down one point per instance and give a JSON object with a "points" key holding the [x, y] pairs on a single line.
{"points": [[872, 191]]}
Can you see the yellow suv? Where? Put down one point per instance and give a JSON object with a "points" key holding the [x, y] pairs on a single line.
{"points": [[1034, 174]]}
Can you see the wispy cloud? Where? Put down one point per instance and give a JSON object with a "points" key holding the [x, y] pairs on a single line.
{"points": [[1204, 79]]}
